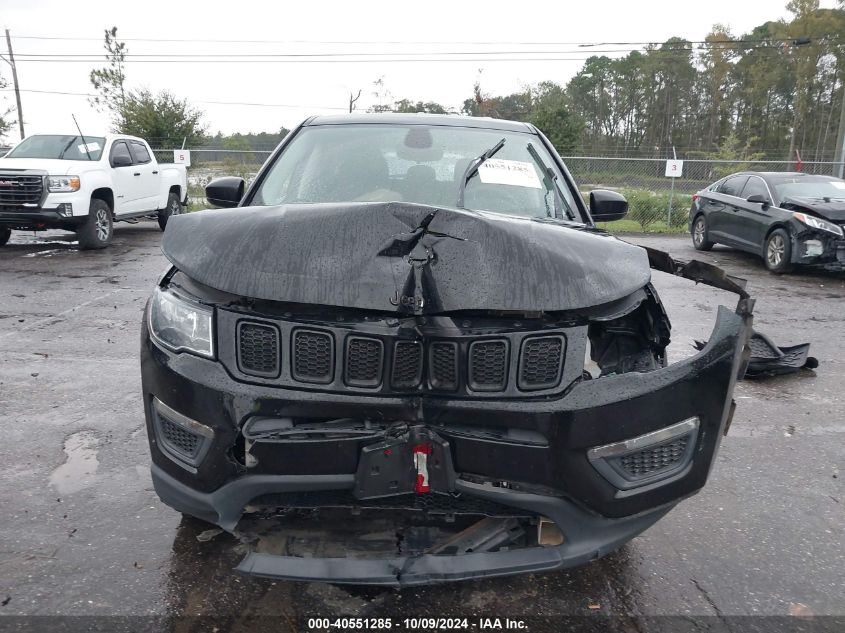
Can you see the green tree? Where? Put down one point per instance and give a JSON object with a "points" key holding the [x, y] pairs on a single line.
{"points": [[109, 82], [162, 117], [406, 105], [551, 114]]}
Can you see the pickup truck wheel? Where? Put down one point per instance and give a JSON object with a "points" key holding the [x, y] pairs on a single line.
{"points": [[174, 207], [5, 234], [98, 228]]}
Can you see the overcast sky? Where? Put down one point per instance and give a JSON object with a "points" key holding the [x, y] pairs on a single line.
{"points": [[321, 26]]}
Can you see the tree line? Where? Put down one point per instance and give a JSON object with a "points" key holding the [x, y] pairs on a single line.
{"points": [[773, 93]]}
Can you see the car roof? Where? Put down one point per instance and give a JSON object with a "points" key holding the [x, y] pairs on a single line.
{"points": [[778, 174], [393, 118]]}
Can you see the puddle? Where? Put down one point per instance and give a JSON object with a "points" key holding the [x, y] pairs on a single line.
{"points": [[49, 253], [80, 468]]}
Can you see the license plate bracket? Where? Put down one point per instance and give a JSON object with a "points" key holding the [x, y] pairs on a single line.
{"points": [[410, 459]]}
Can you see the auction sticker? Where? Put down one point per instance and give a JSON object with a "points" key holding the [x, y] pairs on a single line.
{"points": [[496, 171]]}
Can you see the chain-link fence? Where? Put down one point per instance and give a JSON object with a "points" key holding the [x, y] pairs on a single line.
{"points": [[657, 203], [660, 203]]}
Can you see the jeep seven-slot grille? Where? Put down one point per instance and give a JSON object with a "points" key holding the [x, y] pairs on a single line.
{"points": [[655, 458], [364, 361], [19, 189], [485, 364], [407, 365], [313, 356], [258, 349], [488, 365], [541, 362], [443, 365]]}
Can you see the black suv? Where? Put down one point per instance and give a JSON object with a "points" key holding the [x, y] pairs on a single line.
{"points": [[410, 351]]}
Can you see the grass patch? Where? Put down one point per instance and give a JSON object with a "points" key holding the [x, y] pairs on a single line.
{"points": [[632, 226]]}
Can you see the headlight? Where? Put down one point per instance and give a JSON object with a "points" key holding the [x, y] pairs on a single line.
{"points": [[62, 184], [180, 325], [818, 223]]}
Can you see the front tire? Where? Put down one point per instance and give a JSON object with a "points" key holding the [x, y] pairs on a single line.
{"points": [[174, 207], [5, 234], [700, 239], [777, 252], [98, 229]]}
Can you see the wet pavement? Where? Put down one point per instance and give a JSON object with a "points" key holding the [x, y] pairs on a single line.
{"points": [[82, 532]]}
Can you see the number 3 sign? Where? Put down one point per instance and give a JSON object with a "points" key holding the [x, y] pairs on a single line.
{"points": [[674, 168]]}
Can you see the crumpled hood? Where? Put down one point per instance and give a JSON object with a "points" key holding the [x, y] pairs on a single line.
{"points": [[401, 257], [833, 210]]}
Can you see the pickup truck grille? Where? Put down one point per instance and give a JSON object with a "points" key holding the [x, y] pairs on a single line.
{"points": [[285, 353], [20, 189]]}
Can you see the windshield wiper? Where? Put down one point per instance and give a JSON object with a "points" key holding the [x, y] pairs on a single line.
{"points": [[472, 169], [551, 183], [67, 147]]}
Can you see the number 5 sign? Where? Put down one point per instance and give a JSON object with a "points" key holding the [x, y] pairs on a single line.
{"points": [[674, 168], [182, 157]]}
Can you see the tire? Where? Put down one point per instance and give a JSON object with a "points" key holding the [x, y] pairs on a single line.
{"points": [[5, 234], [174, 207], [98, 229], [700, 239], [777, 252]]}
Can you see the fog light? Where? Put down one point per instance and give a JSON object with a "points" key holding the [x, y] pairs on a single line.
{"points": [[648, 458], [812, 248], [65, 209]]}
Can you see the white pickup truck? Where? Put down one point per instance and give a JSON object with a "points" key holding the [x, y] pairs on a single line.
{"points": [[85, 184]]}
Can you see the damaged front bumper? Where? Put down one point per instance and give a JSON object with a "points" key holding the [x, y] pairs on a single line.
{"points": [[575, 458], [818, 249]]}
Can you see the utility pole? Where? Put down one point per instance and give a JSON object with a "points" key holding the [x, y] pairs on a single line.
{"points": [[839, 154], [11, 62]]}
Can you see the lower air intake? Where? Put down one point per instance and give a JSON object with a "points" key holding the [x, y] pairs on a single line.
{"points": [[655, 458], [179, 439]]}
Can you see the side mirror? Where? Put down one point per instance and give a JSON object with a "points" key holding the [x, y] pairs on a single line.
{"points": [[225, 192], [758, 198], [607, 206], [121, 160]]}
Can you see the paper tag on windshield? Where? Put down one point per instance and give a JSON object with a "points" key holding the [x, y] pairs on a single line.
{"points": [[838, 185], [91, 147], [496, 171]]}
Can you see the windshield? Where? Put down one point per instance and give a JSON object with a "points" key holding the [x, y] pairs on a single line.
{"points": [[810, 187], [421, 164], [59, 147]]}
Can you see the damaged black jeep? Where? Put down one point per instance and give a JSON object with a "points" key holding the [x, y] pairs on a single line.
{"points": [[410, 354]]}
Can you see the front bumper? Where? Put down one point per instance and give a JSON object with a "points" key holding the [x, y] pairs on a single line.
{"points": [[555, 480], [819, 249], [42, 217]]}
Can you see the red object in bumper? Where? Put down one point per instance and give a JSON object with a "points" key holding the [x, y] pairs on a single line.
{"points": [[421, 453]]}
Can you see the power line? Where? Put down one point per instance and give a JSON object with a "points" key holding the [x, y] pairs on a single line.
{"points": [[230, 103], [416, 42], [374, 54]]}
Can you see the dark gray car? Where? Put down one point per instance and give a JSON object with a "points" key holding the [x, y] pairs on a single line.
{"points": [[787, 218]]}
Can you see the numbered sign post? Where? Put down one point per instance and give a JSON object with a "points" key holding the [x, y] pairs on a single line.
{"points": [[182, 157], [674, 169]]}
